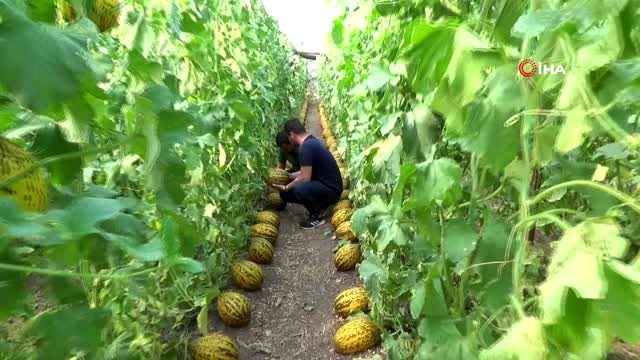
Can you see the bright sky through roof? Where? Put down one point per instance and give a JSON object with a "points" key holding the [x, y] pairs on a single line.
{"points": [[305, 22]]}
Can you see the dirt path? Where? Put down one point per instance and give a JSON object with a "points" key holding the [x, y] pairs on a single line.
{"points": [[292, 314]]}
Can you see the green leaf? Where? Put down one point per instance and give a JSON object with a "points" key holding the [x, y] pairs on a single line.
{"points": [[189, 265], [48, 142], [418, 299], [438, 181], [170, 238], [622, 303], [69, 329], [12, 286], [441, 340], [612, 151], [337, 32], [525, 340], [43, 10], [493, 263], [486, 122], [373, 273], [386, 162], [543, 141], [460, 239], [83, 215], [66, 291], [379, 76], [577, 264], [56, 70], [428, 50]]}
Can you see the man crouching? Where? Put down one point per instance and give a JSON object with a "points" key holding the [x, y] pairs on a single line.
{"points": [[318, 184]]}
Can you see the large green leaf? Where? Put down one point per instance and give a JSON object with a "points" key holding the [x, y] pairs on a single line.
{"points": [[48, 142], [577, 264], [438, 181], [67, 330], [51, 71], [524, 341]]}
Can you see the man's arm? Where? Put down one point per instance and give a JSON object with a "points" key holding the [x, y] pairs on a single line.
{"points": [[303, 177]]}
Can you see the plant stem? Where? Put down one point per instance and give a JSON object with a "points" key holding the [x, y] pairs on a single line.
{"points": [[624, 198], [71, 274]]}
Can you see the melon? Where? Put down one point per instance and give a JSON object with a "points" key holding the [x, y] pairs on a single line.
{"points": [[278, 176], [341, 216], [347, 257], [260, 251], [342, 204], [104, 13], [356, 336], [234, 309], [268, 217], [247, 275], [29, 190], [343, 231], [351, 301], [265, 231], [275, 202], [215, 346]]}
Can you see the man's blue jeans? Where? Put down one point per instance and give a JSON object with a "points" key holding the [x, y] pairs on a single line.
{"points": [[314, 195]]}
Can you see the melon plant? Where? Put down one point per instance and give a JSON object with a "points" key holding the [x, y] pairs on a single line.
{"points": [[233, 308], [215, 346]]}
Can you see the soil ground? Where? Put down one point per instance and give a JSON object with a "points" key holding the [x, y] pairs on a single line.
{"points": [[292, 316]]}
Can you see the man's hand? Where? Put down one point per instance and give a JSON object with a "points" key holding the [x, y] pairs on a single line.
{"points": [[280, 188]]}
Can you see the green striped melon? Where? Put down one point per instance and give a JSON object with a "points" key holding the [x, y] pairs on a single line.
{"points": [[356, 336], [268, 217], [351, 301], [343, 231], [265, 231], [274, 201], [347, 257], [278, 176], [247, 275], [234, 309], [214, 346], [260, 251]]}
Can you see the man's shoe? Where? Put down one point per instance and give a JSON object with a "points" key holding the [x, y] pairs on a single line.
{"points": [[312, 222]]}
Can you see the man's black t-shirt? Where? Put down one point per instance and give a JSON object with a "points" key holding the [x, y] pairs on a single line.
{"points": [[292, 157], [323, 166]]}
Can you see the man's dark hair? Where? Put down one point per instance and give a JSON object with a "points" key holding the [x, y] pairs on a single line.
{"points": [[294, 125], [282, 139]]}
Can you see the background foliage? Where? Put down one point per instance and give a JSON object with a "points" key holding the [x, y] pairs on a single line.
{"points": [[500, 213], [153, 137]]}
